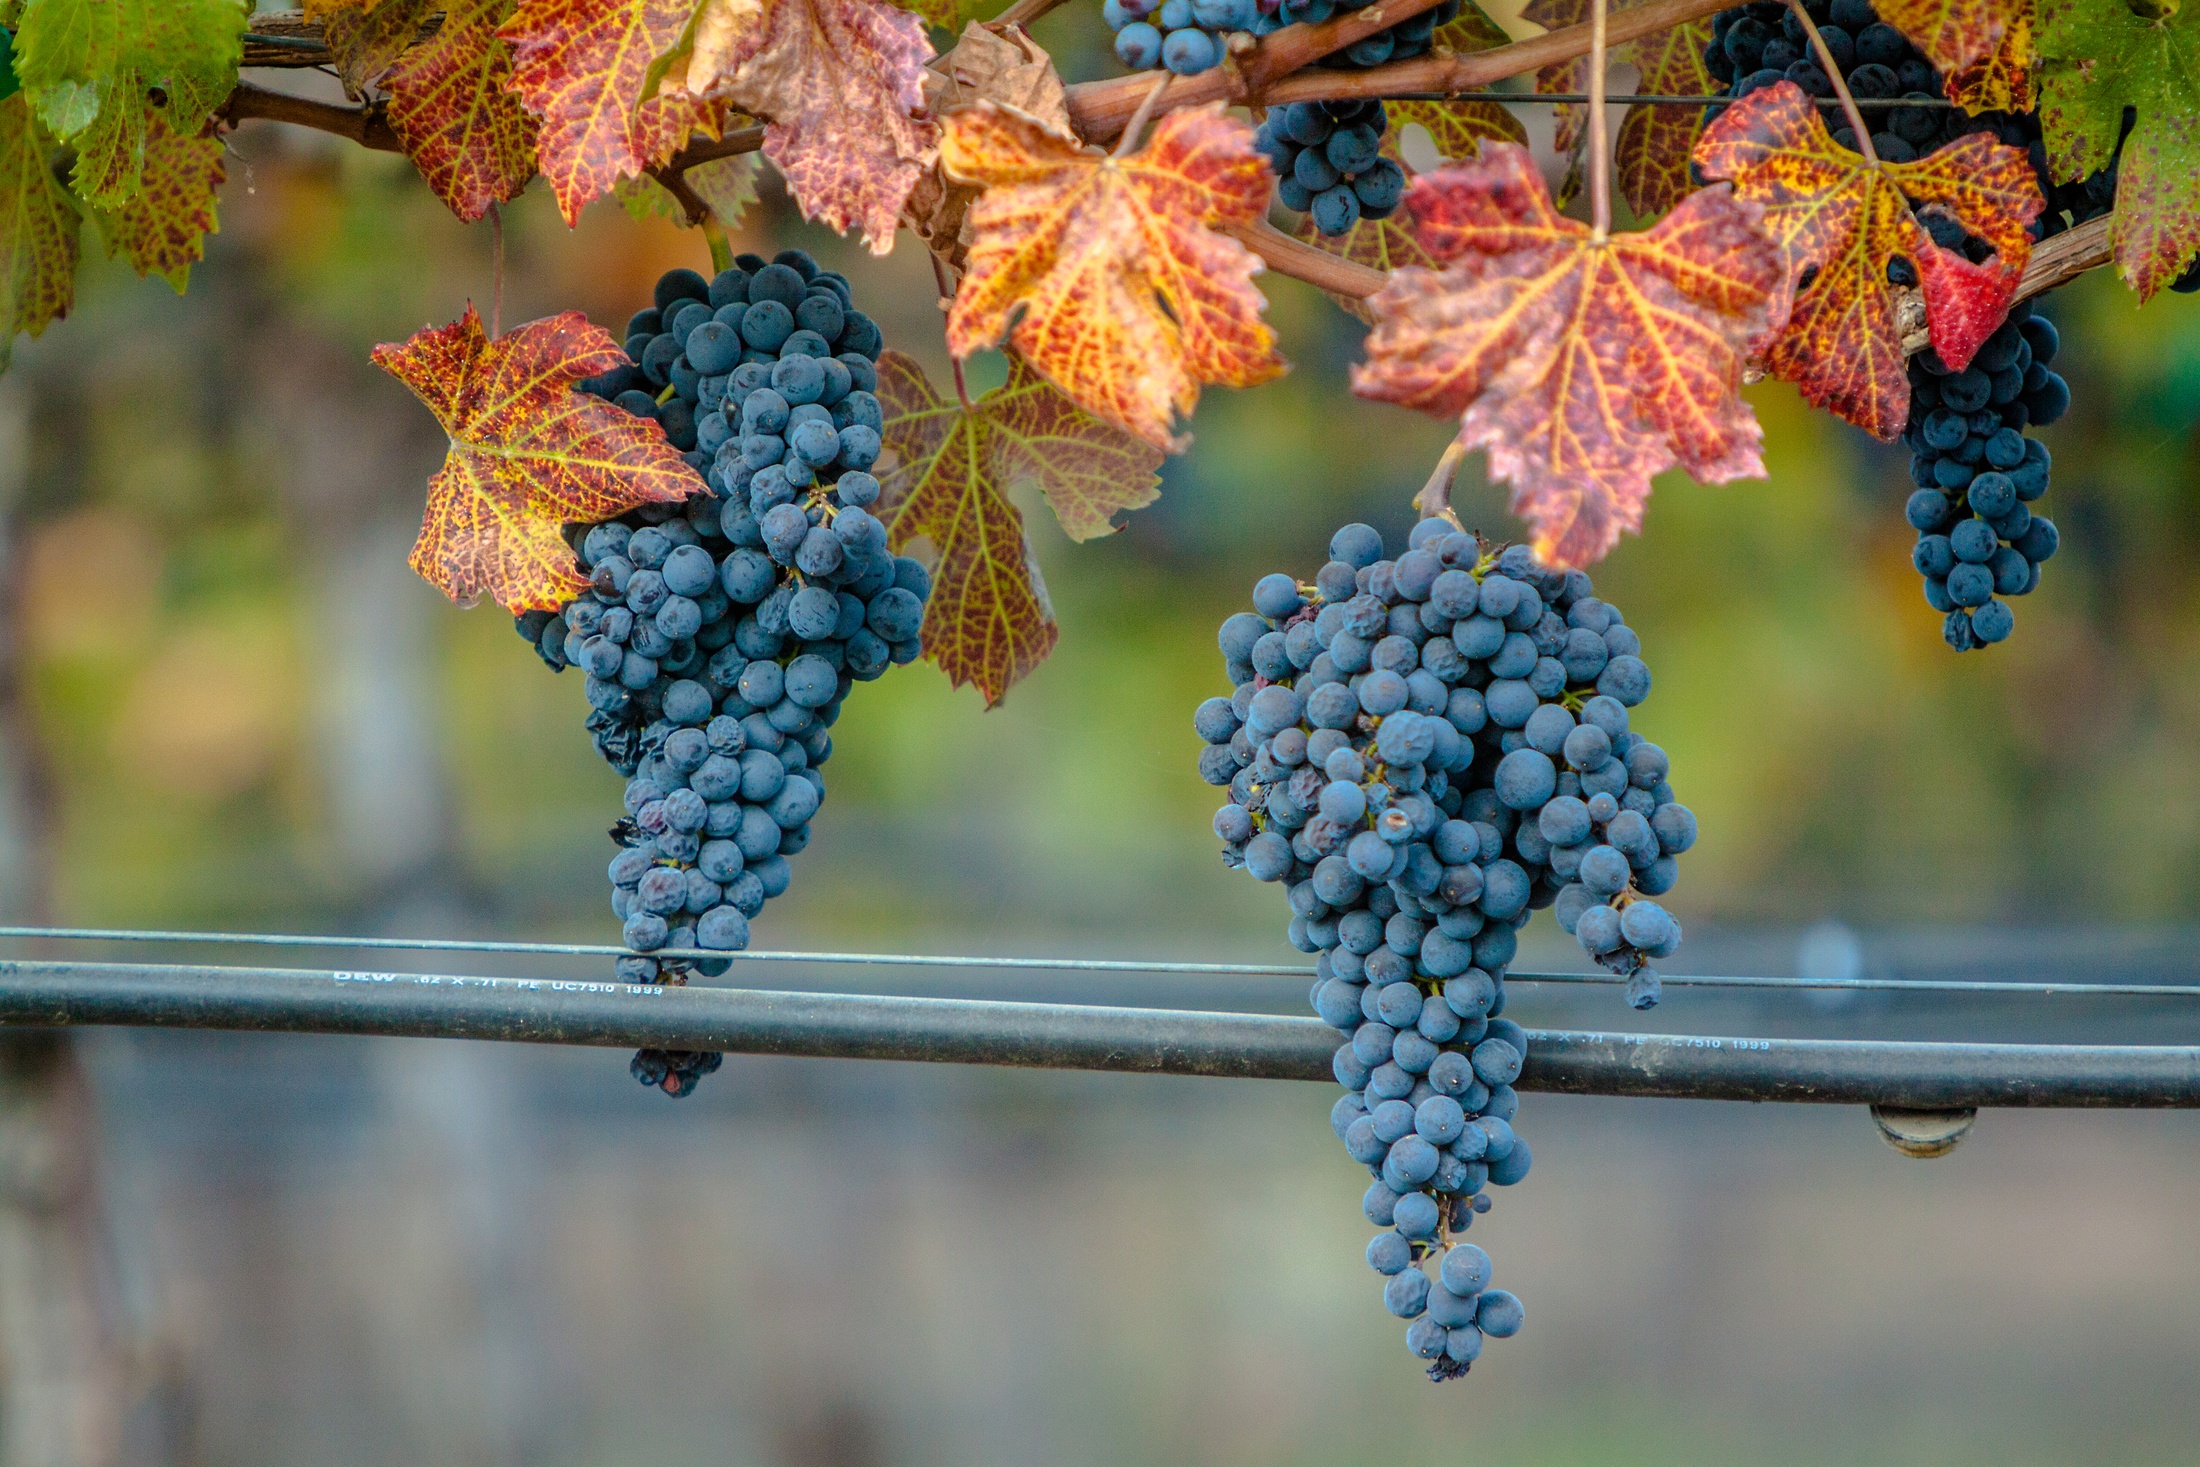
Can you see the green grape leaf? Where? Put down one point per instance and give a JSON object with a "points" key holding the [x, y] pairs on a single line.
{"points": [[98, 71], [989, 622], [161, 227], [39, 227], [2097, 58]]}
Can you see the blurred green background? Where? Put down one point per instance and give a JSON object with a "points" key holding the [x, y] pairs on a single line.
{"points": [[233, 707]]}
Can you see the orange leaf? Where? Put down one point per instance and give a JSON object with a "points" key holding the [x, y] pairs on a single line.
{"points": [[1650, 155], [1106, 273], [469, 137], [989, 622], [840, 83], [528, 456], [579, 65], [1584, 366], [1982, 48], [1841, 221]]}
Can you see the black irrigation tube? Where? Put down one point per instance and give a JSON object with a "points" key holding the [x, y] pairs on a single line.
{"points": [[1908, 1075]]}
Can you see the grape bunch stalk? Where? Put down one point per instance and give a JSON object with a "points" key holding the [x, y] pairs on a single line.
{"points": [[719, 637], [1423, 751], [1977, 476]]}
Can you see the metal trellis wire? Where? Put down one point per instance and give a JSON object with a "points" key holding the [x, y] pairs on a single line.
{"points": [[1905, 1075]]}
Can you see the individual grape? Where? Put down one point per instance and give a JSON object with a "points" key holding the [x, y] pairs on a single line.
{"points": [[1418, 787], [711, 677]]}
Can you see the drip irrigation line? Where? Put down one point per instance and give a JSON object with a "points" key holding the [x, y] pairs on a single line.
{"points": [[1903, 1075], [1079, 965], [1654, 99]]}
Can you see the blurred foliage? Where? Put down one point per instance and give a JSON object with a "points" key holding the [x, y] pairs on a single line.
{"points": [[1842, 760]]}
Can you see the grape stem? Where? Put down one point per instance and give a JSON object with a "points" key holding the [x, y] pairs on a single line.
{"points": [[1137, 124], [1840, 87], [947, 301], [1435, 496], [1600, 140]]}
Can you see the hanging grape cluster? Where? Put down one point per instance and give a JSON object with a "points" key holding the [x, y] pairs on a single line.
{"points": [[719, 637], [1422, 752], [1974, 471], [1329, 163]]}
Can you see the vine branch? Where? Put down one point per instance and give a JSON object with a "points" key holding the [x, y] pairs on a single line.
{"points": [[365, 126], [1302, 261]]}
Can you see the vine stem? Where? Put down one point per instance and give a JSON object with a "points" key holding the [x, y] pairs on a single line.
{"points": [[1840, 87], [1137, 124], [947, 300], [1435, 496], [496, 271], [1600, 138]]}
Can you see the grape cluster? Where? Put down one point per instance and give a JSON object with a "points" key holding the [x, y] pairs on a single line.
{"points": [[1424, 751], [1329, 163], [1977, 475], [719, 636], [1186, 36]]}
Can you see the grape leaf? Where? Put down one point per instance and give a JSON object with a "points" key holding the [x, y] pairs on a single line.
{"points": [[1584, 366], [2099, 57], [579, 66], [366, 39], [470, 138], [989, 621], [1842, 221], [39, 226], [528, 455], [161, 227], [1650, 155], [840, 84], [1982, 48], [1105, 273], [984, 66], [92, 67]]}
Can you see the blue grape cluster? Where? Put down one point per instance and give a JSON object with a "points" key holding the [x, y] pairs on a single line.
{"points": [[719, 637], [1186, 36], [1977, 475], [1329, 163], [1423, 751]]}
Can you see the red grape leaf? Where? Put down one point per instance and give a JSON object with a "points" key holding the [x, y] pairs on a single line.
{"points": [[1650, 156], [2098, 58], [989, 621], [161, 228], [39, 227], [1105, 273], [841, 85], [367, 38], [579, 66], [529, 455], [1584, 366], [1841, 221], [469, 137], [1981, 48]]}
